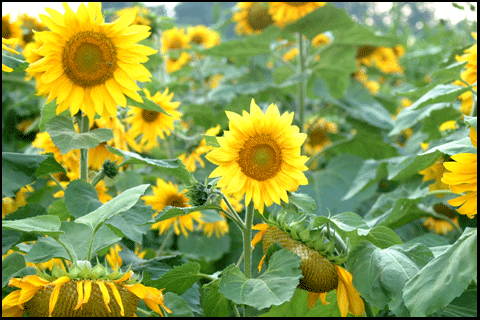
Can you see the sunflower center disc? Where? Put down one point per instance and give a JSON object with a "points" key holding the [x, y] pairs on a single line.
{"points": [[198, 39], [258, 17], [149, 115], [318, 136], [296, 4], [175, 201], [260, 158], [89, 58]]}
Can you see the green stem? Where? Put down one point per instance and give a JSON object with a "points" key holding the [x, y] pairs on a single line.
{"points": [[57, 182], [72, 260], [164, 243], [235, 310], [247, 241], [209, 277], [232, 214], [145, 312], [444, 192], [301, 84], [84, 127], [98, 177]]}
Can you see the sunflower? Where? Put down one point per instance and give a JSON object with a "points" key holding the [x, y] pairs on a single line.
{"points": [[90, 65], [175, 39], [10, 205], [320, 40], [203, 36], [440, 226], [167, 195], [76, 294], [469, 76], [260, 156], [194, 153], [11, 30], [463, 178], [435, 172], [318, 130], [284, 13], [5, 44], [324, 274], [140, 14], [153, 124], [29, 25], [252, 17], [114, 259]]}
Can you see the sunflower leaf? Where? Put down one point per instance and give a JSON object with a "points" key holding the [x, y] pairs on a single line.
{"points": [[275, 286], [147, 104], [65, 138], [380, 275], [47, 225], [18, 170], [180, 278], [172, 212], [120, 203], [444, 278], [175, 167]]}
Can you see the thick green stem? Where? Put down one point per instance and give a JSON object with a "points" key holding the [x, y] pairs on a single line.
{"points": [[84, 127], [72, 260], [247, 241], [98, 177], [56, 181], [301, 84]]}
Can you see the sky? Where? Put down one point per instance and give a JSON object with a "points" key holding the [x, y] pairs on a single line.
{"points": [[443, 10]]}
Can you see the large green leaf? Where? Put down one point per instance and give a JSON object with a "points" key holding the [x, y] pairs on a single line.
{"points": [[380, 274], [370, 173], [359, 35], [410, 116], [443, 278], [147, 104], [329, 185], [172, 212], [298, 307], [177, 305], [198, 246], [65, 138], [336, 65], [81, 198], [175, 167], [215, 304], [49, 165], [47, 225], [409, 166], [131, 223], [463, 306], [76, 238], [440, 93], [247, 46], [18, 170], [120, 203], [275, 286], [180, 278], [323, 19]]}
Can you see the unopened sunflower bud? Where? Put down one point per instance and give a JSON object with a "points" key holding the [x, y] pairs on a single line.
{"points": [[110, 168], [197, 193], [319, 273]]}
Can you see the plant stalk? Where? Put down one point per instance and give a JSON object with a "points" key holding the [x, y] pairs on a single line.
{"points": [[247, 241], [84, 127]]}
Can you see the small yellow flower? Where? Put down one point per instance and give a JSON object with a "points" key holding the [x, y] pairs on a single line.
{"points": [[463, 178], [203, 36], [5, 44], [153, 124], [166, 194], [251, 17], [435, 172], [318, 131], [440, 226], [284, 13]]}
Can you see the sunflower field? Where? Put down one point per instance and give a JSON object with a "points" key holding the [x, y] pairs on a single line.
{"points": [[311, 165]]}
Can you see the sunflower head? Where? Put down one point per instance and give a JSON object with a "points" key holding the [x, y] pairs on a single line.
{"points": [[260, 156], [252, 17], [90, 65], [82, 291]]}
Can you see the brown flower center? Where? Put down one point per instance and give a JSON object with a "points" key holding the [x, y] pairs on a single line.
{"points": [[258, 17], [149, 115], [89, 58], [296, 4], [176, 201], [260, 158]]}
